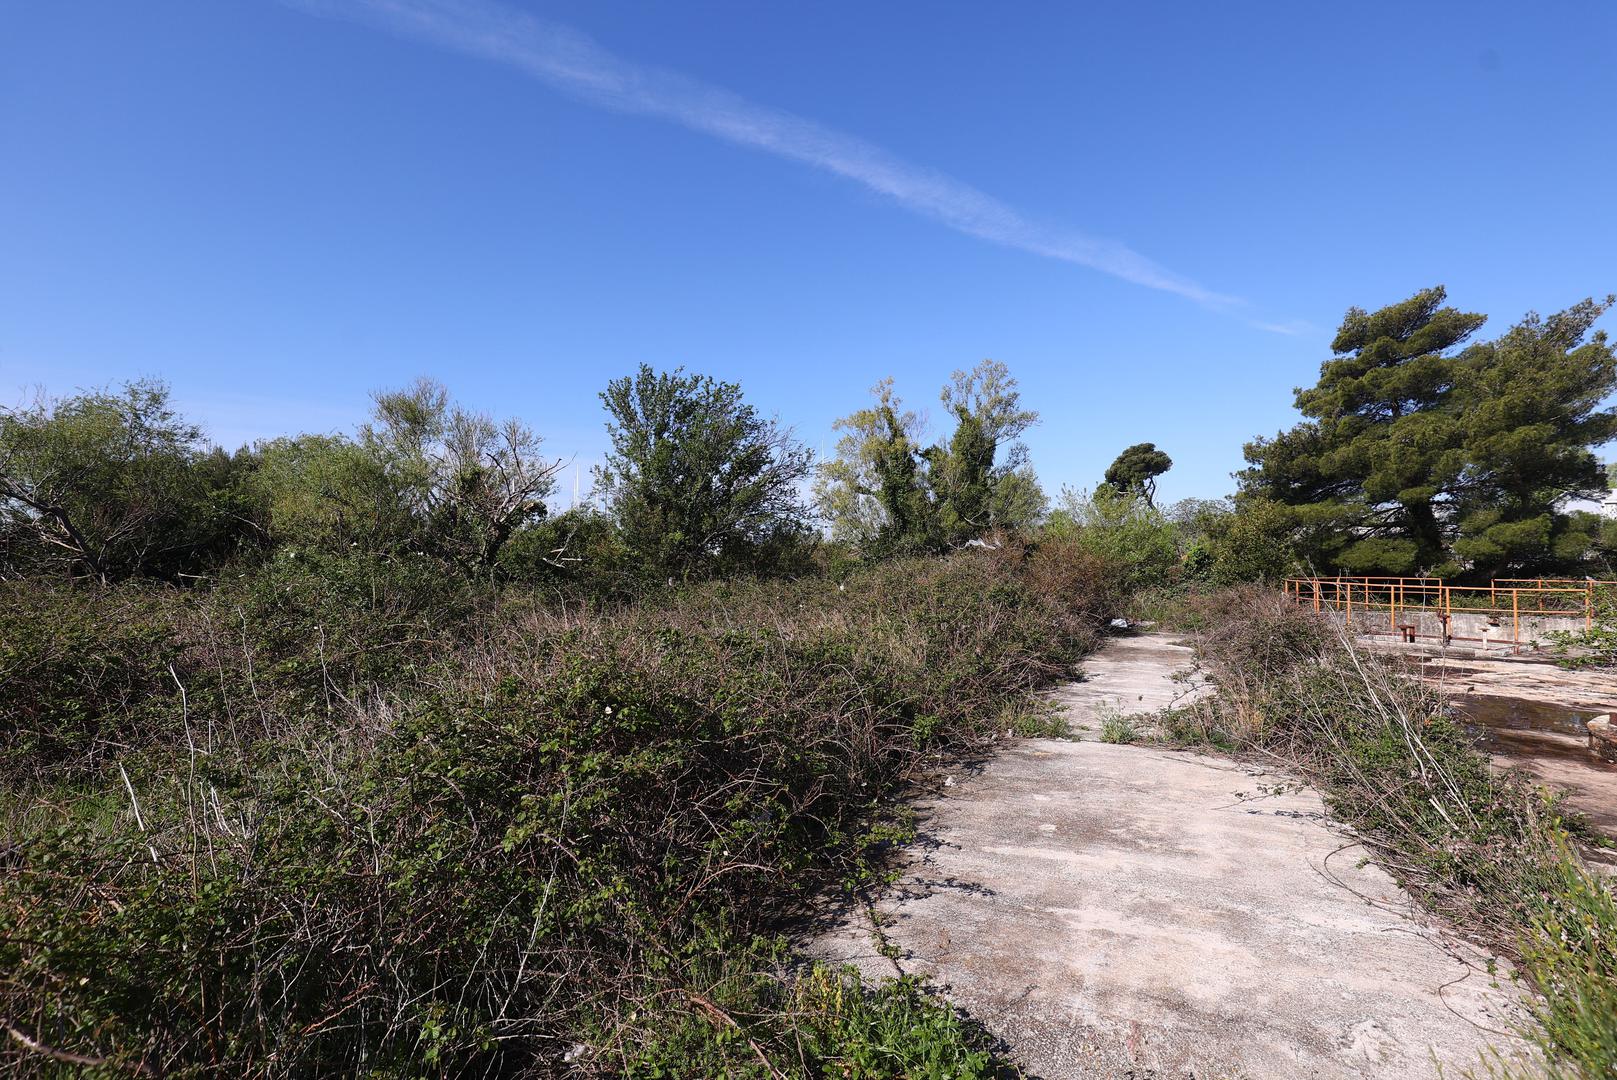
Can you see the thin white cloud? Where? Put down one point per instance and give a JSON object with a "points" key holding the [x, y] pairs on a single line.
{"points": [[570, 62], [1294, 328]]}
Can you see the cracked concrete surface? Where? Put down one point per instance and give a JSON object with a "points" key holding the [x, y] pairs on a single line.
{"points": [[1137, 912]]}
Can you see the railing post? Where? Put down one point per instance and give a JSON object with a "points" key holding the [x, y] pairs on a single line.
{"points": [[1515, 619]]}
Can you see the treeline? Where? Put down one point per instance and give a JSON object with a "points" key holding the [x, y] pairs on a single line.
{"points": [[111, 485], [1422, 452], [114, 485]]}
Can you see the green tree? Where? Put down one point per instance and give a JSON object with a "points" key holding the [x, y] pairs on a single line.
{"points": [[981, 456], [696, 480], [467, 480], [1382, 444], [423, 475], [1529, 406], [1017, 499], [883, 493], [1257, 542], [874, 493], [326, 492], [113, 485], [1419, 458], [1136, 469]]}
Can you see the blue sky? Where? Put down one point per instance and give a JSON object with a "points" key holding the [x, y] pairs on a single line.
{"points": [[1155, 214]]}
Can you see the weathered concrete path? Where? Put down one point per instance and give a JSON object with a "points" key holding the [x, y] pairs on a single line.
{"points": [[1132, 674], [1135, 912]]}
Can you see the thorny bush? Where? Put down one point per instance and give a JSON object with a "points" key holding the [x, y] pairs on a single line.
{"points": [[398, 831]]}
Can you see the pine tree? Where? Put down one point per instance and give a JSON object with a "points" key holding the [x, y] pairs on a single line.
{"points": [[1135, 471], [1529, 405], [1420, 457]]}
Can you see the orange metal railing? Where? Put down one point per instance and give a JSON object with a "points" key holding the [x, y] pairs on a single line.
{"points": [[1407, 597]]}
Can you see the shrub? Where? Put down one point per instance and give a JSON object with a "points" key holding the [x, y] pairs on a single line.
{"points": [[1595, 646], [531, 838], [91, 673], [84, 672], [1125, 531], [1117, 728]]}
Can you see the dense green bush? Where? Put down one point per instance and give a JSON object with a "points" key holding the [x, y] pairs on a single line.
{"points": [[1124, 530], [525, 839], [84, 673]]}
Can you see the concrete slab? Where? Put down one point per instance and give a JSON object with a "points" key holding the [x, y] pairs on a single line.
{"points": [[1132, 674], [1590, 690], [1136, 912], [1535, 715]]}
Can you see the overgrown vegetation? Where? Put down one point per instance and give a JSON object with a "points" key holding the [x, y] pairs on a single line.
{"points": [[1595, 646], [1487, 850], [349, 755], [343, 818], [355, 755]]}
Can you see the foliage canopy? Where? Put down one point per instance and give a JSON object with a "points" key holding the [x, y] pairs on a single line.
{"points": [[696, 478], [884, 492], [1135, 471], [1422, 456]]}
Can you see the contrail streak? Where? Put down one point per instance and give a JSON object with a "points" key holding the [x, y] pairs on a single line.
{"points": [[570, 62]]}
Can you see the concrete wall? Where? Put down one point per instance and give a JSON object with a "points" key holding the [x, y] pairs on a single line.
{"points": [[1467, 626]]}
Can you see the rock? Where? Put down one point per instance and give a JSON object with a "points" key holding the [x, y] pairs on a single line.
{"points": [[1603, 738]]}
